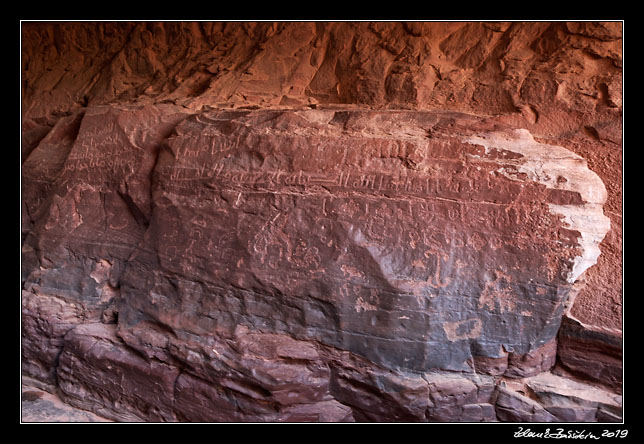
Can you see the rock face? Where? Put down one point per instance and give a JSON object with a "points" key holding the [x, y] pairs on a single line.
{"points": [[184, 262]]}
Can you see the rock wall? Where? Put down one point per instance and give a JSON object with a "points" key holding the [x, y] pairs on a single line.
{"points": [[324, 221]]}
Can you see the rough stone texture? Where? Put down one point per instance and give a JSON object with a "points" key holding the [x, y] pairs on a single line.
{"points": [[323, 221], [358, 230], [571, 401], [592, 354], [40, 406], [514, 406], [550, 398]]}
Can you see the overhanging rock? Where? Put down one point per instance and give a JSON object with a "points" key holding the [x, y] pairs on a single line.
{"points": [[270, 265]]}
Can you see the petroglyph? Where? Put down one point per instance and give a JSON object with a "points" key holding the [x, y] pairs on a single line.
{"points": [[296, 224], [460, 330]]}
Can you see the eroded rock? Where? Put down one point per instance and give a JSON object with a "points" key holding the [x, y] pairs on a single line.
{"points": [[233, 256], [368, 234], [274, 222]]}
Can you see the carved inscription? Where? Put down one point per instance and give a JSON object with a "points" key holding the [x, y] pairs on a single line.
{"points": [[379, 246], [413, 196], [410, 184], [102, 147]]}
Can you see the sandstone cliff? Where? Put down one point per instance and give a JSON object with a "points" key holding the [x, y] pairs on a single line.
{"points": [[324, 221]]}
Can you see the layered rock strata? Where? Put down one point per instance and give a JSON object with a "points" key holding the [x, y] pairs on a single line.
{"points": [[369, 221], [314, 265]]}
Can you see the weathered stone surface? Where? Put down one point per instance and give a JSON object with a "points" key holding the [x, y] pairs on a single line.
{"points": [[307, 260], [45, 322], [536, 361], [354, 230], [99, 373], [363, 231], [593, 354], [571, 401], [513, 406], [550, 398], [323, 411], [560, 80], [376, 394], [41, 406], [256, 378], [455, 398]]}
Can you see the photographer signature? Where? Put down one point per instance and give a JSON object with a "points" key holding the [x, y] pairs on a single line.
{"points": [[569, 434]]}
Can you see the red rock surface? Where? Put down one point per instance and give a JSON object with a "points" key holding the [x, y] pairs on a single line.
{"points": [[41, 406], [323, 221]]}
